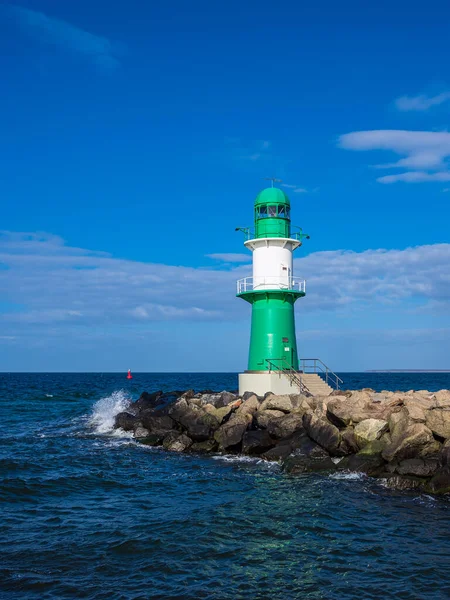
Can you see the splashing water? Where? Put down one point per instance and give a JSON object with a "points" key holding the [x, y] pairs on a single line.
{"points": [[106, 409]]}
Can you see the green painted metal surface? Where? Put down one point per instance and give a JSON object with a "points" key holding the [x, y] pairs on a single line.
{"points": [[272, 214], [273, 329]]}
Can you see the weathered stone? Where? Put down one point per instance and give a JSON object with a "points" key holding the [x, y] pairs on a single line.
{"points": [[438, 420], [230, 433], [141, 432], [249, 406], [348, 442], [257, 442], [218, 400], [146, 401], [445, 454], [440, 483], [323, 432], [204, 447], [285, 426], [198, 423], [368, 460], [369, 430], [417, 466], [264, 417], [127, 422], [296, 465], [403, 483], [157, 425], [415, 410], [407, 443], [282, 403], [180, 444], [442, 399], [430, 450]]}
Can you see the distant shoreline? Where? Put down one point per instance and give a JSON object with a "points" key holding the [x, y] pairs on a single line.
{"points": [[407, 371]]}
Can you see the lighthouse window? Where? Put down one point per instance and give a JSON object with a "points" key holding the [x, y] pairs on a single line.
{"points": [[262, 212], [272, 211], [281, 210]]}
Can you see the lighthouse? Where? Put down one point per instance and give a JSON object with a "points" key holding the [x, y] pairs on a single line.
{"points": [[272, 291]]}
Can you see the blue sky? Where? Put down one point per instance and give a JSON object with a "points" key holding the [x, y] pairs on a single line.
{"points": [[135, 136]]}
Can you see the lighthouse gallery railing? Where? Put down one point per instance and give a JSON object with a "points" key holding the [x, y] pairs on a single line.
{"points": [[249, 284]]}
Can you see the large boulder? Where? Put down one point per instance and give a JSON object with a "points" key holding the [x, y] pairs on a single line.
{"points": [[438, 420], [419, 467], [407, 442], [229, 435], [281, 403], [285, 426], [442, 399], [440, 482], [249, 406], [156, 424], [198, 423], [218, 400], [368, 460], [204, 447], [323, 432], [369, 430], [297, 465], [257, 442], [176, 442], [264, 417], [126, 421]]}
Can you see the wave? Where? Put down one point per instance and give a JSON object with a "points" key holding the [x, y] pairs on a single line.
{"points": [[105, 410]]}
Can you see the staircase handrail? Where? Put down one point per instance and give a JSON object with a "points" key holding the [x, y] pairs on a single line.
{"points": [[319, 365], [288, 372]]}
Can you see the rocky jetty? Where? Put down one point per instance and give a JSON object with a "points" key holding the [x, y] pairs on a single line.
{"points": [[401, 437]]}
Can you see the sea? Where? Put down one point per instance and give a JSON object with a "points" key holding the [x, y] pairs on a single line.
{"points": [[89, 513]]}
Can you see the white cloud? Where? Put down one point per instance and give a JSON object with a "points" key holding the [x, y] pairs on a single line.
{"points": [[54, 284], [295, 188], [422, 151], [231, 258], [421, 102], [56, 32], [415, 177]]}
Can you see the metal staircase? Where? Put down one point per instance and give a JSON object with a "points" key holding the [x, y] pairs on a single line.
{"points": [[308, 380]]}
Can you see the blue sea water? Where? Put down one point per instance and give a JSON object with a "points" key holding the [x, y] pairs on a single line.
{"points": [[86, 513]]}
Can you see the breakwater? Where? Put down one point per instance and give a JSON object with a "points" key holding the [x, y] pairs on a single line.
{"points": [[400, 437]]}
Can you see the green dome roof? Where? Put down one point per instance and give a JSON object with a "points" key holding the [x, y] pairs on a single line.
{"points": [[272, 195]]}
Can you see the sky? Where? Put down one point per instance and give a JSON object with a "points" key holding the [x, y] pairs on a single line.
{"points": [[135, 137]]}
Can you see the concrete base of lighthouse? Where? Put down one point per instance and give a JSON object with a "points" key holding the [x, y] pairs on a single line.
{"points": [[262, 382]]}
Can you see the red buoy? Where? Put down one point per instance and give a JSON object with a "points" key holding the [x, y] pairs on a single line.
{"points": [[129, 376]]}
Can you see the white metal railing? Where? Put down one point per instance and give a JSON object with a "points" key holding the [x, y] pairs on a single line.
{"points": [[249, 284]]}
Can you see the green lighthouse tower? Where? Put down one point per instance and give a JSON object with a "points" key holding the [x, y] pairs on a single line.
{"points": [[272, 292]]}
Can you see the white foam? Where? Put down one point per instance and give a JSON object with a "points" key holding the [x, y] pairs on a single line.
{"points": [[348, 476], [106, 409], [245, 459]]}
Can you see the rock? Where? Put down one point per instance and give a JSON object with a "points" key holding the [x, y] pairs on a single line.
{"points": [[323, 432], [403, 483], [369, 430], [229, 435], [281, 403], [296, 465], [408, 442], [257, 442], [263, 417], [218, 400], [348, 443], [284, 426], [203, 447], [445, 454], [157, 425], [368, 460], [199, 424], [442, 399], [146, 401], [438, 420], [430, 450], [249, 406], [417, 466], [440, 483], [141, 432], [179, 443], [126, 421], [297, 443], [415, 410]]}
